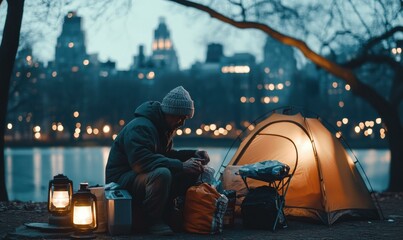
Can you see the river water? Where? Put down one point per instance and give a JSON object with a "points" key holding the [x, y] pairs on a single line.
{"points": [[28, 170]]}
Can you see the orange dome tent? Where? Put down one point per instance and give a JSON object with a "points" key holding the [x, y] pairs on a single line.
{"points": [[326, 184]]}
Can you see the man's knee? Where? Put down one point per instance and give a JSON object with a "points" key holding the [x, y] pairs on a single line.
{"points": [[161, 175]]}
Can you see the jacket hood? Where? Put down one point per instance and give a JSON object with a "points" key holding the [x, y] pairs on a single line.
{"points": [[152, 111]]}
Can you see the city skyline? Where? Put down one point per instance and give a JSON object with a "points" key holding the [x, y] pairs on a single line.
{"points": [[118, 39], [190, 37]]}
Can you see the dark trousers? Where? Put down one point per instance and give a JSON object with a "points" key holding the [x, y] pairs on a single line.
{"points": [[153, 195]]}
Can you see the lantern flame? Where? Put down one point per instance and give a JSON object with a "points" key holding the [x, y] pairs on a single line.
{"points": [[60, 199], [82, 215]]}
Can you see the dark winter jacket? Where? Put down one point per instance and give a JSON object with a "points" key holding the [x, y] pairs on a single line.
{"points": [[143, 145]]}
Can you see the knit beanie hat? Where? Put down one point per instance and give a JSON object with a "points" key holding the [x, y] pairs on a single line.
{"points": [[178, 102]]}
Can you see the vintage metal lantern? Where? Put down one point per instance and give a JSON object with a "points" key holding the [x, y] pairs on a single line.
{"points": [[84, 212], [60, 194], [60, 200]]}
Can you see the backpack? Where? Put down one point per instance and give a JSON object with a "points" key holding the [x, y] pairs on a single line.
{"points": [[259, 209], [204, 210]]}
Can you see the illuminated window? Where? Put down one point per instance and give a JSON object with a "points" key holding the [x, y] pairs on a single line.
{"points": [[168, 44], [37, 135], [150, 75], [160, 43], [89, 130], [335, 84], [221, 130], [266, 100], [37, 129], [106, 129]]}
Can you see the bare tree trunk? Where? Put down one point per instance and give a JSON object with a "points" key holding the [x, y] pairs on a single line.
{"points": [[8, 51], [394, 134]]}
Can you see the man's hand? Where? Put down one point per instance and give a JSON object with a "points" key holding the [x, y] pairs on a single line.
{"points": [[204, 156], [193, 166]]}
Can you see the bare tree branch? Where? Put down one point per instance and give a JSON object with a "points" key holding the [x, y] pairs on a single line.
{"points": [[360, 17], [372, 42]]}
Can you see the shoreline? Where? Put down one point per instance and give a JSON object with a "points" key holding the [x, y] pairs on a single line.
{"points": [[178, 142]]}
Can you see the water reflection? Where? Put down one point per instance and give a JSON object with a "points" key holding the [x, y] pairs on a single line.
{"points": [[376, 166], [29, 170], [37, 171]]}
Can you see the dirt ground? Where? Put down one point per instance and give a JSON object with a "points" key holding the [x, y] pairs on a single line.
{"points": [[14, 214]]}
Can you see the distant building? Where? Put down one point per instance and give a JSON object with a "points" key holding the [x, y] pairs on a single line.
{"points": [[139, 61], [214, 53], [239, 75], [279, 66], [71, 51], [164, 54]]}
